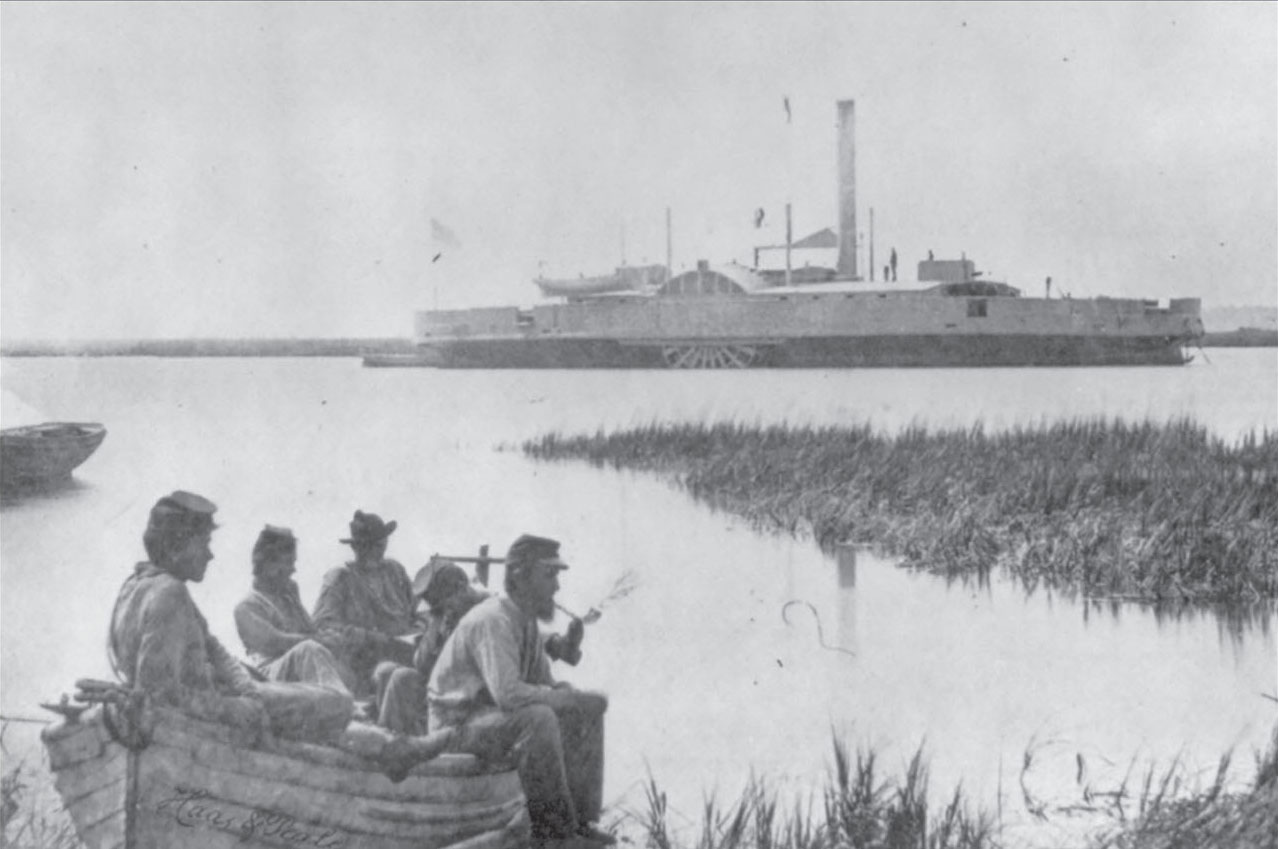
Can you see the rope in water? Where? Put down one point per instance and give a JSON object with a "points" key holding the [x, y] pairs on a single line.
{"points": [[817, 616]]}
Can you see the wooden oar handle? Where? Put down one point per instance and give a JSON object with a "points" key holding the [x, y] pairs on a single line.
{"points": [[482, 562]]}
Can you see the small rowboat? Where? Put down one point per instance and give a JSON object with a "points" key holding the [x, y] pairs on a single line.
{"points": [[184, 782], [46, 452]]}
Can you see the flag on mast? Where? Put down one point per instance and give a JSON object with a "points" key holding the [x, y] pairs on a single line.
{"points": [[442, 236]]}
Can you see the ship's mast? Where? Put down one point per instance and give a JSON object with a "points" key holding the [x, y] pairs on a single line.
{"points": [[847, 189], [669, 249], [872, 245], [788, 239]]}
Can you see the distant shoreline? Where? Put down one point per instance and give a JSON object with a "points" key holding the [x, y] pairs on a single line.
{"points": [[1243, 337], [211, 348]]}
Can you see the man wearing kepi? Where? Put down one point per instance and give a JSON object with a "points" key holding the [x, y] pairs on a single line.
{"points": [[492, 684], [160, 641], [368, 603], [160, 644]]}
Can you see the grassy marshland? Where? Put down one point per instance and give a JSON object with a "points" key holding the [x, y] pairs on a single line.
{"points": [[1145, 511], [1168, 818], [858, 808]]}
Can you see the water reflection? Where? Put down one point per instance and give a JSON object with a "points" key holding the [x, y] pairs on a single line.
{"points": [[846, 557], [17, 493], [1234, 622]]}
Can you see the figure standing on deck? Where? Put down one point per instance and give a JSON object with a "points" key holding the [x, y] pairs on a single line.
{"points": [[368, 603], [493, 685], [892, 262], [277, 632]]}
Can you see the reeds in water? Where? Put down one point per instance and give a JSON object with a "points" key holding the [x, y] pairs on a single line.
{"points": [[858, 808], [1211, 817], [1160, 512]]}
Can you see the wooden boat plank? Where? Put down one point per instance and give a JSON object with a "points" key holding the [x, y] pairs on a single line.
{"points": [[95, 808], [178, 729], [239, 795], [72, 744], [212, 820], [458, 786], [195, 789], [73, 782], [105, 834], [111, 784]]}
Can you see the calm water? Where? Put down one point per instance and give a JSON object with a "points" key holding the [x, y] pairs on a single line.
{"points": [[712, 672]]}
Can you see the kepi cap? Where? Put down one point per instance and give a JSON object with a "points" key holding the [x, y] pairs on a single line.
{"points": [[529, 549], [275, 538], [182, 509]]}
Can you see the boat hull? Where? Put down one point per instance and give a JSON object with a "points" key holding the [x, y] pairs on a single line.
{"points": [[823, 352], [190, 786], [813, 329], [47, 452]]}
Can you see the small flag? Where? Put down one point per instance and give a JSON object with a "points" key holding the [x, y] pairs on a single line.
{"points": [[442, 235], [785, 101]]}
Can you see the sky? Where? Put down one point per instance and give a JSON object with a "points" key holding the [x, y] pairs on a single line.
{"points": [[252, 169]]}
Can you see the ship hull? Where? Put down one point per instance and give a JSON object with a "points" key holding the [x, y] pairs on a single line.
{"points": [[814, 329], [820, 352]]}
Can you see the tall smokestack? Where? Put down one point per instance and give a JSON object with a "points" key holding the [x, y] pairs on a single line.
{"points": [[847, 189]]}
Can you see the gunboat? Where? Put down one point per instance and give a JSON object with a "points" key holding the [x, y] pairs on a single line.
{"points": [[735, 316]]}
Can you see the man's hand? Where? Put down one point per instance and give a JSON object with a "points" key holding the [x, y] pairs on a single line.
{"points": [[246, 716], [590, 702], [576, 630], [568, 647]]}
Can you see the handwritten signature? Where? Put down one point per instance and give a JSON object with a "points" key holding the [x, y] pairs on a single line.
{"points": [[193, 808]]}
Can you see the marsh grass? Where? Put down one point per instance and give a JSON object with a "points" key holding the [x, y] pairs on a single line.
{"points": [[1110, 509], [24, 823], [858, 807], [1168, 817], [28, 817]]}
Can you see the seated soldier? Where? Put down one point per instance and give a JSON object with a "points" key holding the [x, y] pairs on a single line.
{"points": [[160, 643], [401, 690], [448, 595], [277, 632], [492, 684], [368, 603]]}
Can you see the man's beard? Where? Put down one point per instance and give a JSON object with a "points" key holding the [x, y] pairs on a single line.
{"points": [[546, 611]]}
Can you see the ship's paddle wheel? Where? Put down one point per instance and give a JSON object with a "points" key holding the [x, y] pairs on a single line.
{"points": [[710, 356]]}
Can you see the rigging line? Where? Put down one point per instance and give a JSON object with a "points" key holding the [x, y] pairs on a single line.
{"points": [[820, 631]]}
